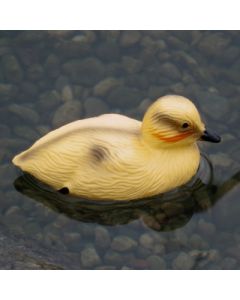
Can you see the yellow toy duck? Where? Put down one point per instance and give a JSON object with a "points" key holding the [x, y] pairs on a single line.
{"points": [[119, 158]]}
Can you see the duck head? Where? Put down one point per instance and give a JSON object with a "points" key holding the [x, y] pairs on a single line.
{"points": [[174, 121]]}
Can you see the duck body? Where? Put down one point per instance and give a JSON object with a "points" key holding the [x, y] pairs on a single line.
{"points": [[111, 157]]}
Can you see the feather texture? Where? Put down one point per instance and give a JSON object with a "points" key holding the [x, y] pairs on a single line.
{"points": [[114, 157]]}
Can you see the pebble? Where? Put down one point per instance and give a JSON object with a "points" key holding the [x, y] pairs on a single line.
{"points": [[7, 91], [4, 131], [52, 240], [123, 243], [143, 252], [67, 93], [13, 143], [156, 91], [228, 137], [32, 228], [7, 175], [95, 106], [113, 258], [26, 132], [86, 72], [178, 88], [230, 54], [87, 230], [164, 56], [35, 72], [49, 100], [13, 210], [156, 262], [213, 44], [177, 42], [170, 70], [129, 38], [111, 35], [73, 240], [214, 255], [125, 268], [68, 112], [234, 252], [226, 212], [11, 68], [106, 267], [146, 240], [90, 36], [228, 263], [31, 37], [79, 91], [210, 102], [14, 217], [87, 38], [2, 154], [102, 237], [205, 258], [220, 159], [148, 42], [159, 249], [108, 51], [181, 237], [28, 90], [61, 81], [197, 242], [138, 81], [61, 221], [103, 87], [52, 66], [25, 113], [125, 97], [185, 58], [139, 264], [90, 258], [206, 228], [131, 65], [60, 34], [183, 261]]}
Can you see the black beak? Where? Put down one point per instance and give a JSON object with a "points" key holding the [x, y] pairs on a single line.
{"points": [[210, 137]]}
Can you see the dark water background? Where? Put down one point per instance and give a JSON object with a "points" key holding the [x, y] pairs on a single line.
{"points": [[50, 78]]}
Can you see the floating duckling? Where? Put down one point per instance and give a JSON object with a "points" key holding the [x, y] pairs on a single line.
{"points": [[119, 158]]}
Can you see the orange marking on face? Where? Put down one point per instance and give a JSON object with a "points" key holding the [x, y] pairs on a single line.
{"points": [[173, 139]]}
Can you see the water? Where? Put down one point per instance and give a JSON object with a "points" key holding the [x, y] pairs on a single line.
{"points": [[50, 78]]}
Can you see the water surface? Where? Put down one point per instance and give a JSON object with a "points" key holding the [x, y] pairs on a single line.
{"points": [[48, 79]]}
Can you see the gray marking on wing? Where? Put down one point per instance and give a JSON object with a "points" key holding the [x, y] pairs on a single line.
{"points": [[99, 153]]}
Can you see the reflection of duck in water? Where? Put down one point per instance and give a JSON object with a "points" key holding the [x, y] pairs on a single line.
{"points": [[156, 212], [118, 158], [165, 212]]}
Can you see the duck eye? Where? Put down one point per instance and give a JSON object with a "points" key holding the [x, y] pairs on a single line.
{"points": [[185, 125]]}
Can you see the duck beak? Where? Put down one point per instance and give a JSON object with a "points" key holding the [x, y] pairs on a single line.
{"points": [[210, 137]]}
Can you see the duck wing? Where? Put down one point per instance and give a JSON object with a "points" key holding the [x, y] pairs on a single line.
{"points": [[59, 155], [106, 122]]}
